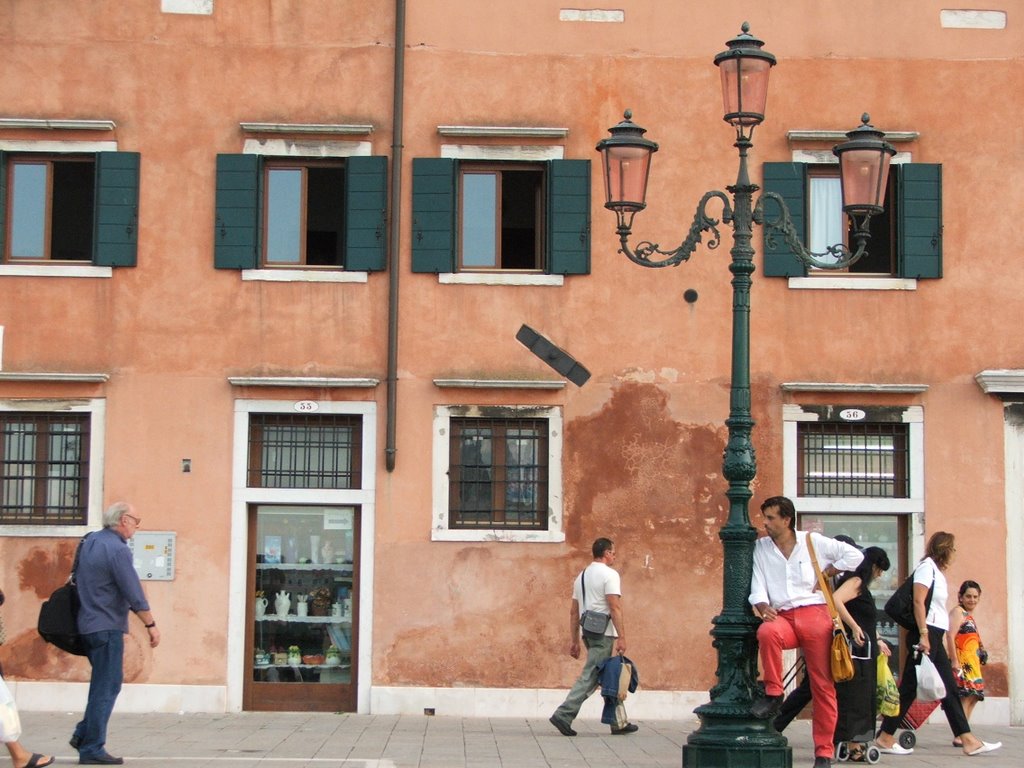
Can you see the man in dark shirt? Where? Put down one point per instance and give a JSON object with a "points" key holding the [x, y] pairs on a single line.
{"points": [[108, 588]]}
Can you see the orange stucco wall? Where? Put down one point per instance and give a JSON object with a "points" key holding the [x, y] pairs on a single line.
{"points": [[643, 439]]}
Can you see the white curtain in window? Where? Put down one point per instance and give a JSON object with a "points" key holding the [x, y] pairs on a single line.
{"points": [[826, 213]]}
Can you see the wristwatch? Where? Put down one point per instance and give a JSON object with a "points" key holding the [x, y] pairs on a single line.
{"points": [[150, 626]]}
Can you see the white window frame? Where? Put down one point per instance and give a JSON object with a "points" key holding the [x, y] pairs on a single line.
{"points": [[56, 148], [97, 408], [912, 507], [440, 529], [304, 148]]}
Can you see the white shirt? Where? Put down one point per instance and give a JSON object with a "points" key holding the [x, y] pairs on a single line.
{"points": [[924, 573], [786, 584], [600, 580]]}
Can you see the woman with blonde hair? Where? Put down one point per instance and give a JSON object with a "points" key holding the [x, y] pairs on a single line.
{"points": [[932, 620]]}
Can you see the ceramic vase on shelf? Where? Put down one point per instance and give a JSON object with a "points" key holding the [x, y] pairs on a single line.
{"points": [[283, 603], [260, 607], [302, 608], [314, 548]]}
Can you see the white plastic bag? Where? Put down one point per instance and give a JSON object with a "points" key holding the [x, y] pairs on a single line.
{"points": [[10, 723], [929, 685]]}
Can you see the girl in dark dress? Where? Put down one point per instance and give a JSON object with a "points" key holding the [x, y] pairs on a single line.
{"points": [[856, 607]]}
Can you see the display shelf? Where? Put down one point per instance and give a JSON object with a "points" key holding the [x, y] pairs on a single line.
{"points": [[305, 567], [293, 619]]}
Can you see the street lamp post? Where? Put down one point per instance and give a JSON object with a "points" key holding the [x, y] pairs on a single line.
{"points": [[728, 736]]}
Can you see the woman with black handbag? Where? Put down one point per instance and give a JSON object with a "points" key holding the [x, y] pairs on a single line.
{"points": [[932, 623], [856, 698], [21, 757]]}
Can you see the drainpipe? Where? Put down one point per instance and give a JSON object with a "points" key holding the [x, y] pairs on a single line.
{"points": [[397, 135]]}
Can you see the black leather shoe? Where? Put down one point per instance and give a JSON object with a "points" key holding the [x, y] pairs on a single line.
{"points": [[627, 728], [766, 707], [101, 759], [75, 741], [563, 728], [822, 762]]}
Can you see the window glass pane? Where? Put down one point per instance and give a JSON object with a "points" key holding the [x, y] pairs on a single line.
{"points": [[865, 460], [28, 210], [498, 473], [284, 215], [44, 469], [475, 476], [304, 451], [479, 216], [826, 214], [520, 208]]}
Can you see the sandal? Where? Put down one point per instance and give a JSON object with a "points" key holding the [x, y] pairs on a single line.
{"points": [[36, 761]]}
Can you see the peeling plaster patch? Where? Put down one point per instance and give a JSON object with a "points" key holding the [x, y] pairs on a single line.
{"points": [[575, 14], [669, 374], [638, 376], [191, 7], [972, 19]]}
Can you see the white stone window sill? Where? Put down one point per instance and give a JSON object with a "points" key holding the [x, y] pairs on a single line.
{"points": [[527, 537], [303, 276], [54, 270], [820, 282], [498, 278]]}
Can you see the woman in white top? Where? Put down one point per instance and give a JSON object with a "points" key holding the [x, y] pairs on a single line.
{"points": [[932, 623]]}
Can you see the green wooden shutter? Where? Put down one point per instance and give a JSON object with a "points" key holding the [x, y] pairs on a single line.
{"points": [[239, 212], [366, 203], [116, 210], [433, 214], [3, 202], [568, 217], [919, 219], [786, 180]]}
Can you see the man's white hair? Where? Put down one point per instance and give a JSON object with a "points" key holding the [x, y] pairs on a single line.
{"points": [[117, 510]]}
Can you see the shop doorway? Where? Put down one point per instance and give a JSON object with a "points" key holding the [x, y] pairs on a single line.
{"points": [[302, 615]]}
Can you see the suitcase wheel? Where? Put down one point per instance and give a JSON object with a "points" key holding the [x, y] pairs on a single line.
{"points": [[873, 754], [908, 739]]}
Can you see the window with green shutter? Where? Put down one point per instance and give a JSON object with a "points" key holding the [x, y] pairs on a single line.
{"points": [[906, 239], [472, 216], [69, 208], [301, 213]]}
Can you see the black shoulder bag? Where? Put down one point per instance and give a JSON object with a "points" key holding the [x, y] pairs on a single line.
{"points": [[593, 622], [58, 616], [900, 606]]}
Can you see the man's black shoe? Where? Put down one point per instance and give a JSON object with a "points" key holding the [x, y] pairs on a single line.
{"points": [[75, 741], [563, 728], [822, 762], [766, 707], [627, 728], [101, 759]]}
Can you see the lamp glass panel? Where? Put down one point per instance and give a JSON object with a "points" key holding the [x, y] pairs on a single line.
{"points": [[865, 173], [745, 89], [626, 170]]}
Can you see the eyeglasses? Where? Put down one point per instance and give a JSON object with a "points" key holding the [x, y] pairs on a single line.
{"points": [[134, 519]]}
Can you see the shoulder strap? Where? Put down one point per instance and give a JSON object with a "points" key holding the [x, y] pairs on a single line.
{"points": [[583, 590], [822, 582], [78, 554]]}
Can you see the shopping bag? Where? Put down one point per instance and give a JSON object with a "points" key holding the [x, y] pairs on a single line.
{"points": [[10, 723], [929, 684], [887, 694]]}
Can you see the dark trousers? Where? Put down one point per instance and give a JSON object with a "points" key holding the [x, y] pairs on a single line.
{"points": [[106, 655], [908, 684]]}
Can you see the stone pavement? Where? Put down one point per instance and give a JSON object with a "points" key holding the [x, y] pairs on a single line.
{"points": [[292, 740]]}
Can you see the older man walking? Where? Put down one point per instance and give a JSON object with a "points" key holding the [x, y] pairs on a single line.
{"points": [[108, 588]]}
